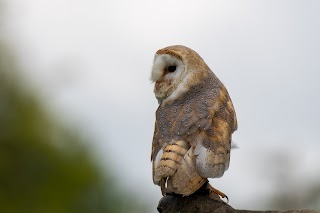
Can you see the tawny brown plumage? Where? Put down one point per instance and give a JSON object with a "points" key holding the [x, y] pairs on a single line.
{"points": [[194, 122]]}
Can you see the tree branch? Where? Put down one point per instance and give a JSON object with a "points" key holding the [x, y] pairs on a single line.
{"points": [[203, 201]]}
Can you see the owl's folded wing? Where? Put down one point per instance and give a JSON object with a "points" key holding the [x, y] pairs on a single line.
{"points": [[155, 155], [212, 148]]}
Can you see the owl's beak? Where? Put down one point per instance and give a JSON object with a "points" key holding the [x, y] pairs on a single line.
{"points": [[157, 85]]}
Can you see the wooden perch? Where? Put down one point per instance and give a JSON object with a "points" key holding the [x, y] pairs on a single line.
{"points": [[204, 202]]}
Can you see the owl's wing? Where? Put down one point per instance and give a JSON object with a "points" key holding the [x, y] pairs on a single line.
{"points": [[155, 155], [155, 142], [212, 149]]}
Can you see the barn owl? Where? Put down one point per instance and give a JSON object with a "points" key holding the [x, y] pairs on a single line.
{"points": [[194, 122]]}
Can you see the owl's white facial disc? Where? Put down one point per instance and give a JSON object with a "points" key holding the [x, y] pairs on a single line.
{"points": [[166, 73], [160, 68]]}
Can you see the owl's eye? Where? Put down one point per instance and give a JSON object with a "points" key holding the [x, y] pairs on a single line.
{"points": [[171, 68]]}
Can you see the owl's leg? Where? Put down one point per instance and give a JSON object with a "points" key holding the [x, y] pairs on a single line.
{"points": [[163, 186], [217, 192]]}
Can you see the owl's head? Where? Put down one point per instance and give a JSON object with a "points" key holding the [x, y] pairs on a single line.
{"points": [[175, 70]]}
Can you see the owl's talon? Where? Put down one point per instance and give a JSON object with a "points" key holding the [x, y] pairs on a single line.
{"points": [[217, 192], [226, 198], [223, 196]]}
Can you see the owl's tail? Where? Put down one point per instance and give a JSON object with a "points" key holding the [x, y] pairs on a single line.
{"points": [[187, 179], [176, 170], [171, 157]]}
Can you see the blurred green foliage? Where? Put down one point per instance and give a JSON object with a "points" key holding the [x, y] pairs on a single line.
{"points": [[45, 167]]}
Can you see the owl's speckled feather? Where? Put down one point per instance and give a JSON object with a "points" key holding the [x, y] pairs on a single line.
{"points": [[195, 114]]}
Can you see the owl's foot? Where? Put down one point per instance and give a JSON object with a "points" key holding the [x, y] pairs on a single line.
{"points": [[217, 192]]}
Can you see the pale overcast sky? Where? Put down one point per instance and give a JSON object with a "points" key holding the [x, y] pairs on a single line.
{"points": [[91, 60]]}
